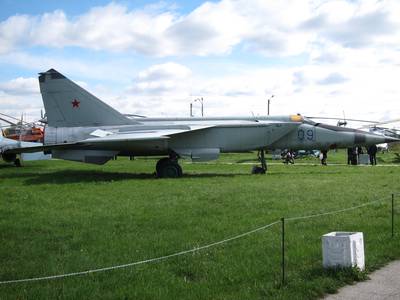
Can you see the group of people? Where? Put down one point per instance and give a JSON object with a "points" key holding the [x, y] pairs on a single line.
{"points": [[353, 154], [288, 156]]}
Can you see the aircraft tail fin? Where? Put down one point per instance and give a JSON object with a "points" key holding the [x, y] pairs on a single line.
{"points": [[68, 105]]}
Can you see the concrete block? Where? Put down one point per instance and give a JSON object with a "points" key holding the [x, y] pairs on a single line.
{"points": [[343, 249]]}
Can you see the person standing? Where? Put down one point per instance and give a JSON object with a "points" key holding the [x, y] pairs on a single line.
{"points": [[372, 150], [349, 155], [352, 156], [324, 157], [355, 157], [359, 152]]}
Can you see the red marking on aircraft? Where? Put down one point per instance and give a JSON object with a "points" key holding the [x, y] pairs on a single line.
{"points": [[75, 103]]}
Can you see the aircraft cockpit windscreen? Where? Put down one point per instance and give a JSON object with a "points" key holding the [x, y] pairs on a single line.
{"points": [[309, 121], [297, 118], [305, 120]]}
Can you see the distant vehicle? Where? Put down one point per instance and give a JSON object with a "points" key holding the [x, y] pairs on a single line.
{"points": [[383, 147], [306, 153], [80, 127]]}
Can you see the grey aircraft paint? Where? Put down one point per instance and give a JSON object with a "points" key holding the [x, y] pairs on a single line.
{"points": [[83, 128]]}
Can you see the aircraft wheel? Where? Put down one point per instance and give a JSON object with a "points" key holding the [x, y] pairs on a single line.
{"points": [[160, 163], [167, 168], [180, 172]]}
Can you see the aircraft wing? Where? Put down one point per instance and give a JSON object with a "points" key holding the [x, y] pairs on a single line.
{"points": [[101, 137]]}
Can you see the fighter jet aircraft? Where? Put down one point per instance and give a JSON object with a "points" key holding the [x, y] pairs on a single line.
{"points": [[80, 127]]}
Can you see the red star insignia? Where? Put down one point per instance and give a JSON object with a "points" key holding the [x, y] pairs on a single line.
{"points": [[75, 103]]}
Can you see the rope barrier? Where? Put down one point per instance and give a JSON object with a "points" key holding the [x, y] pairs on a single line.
{"points": [[333, 212], [140, 262]]}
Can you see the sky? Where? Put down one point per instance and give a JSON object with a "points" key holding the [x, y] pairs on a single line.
{"points": [[318, 58]]}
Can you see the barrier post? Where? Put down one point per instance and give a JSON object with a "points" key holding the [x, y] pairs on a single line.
{"points": [[392, 215], [283, 251]]}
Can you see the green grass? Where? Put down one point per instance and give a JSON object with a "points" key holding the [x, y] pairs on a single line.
{"points": [[58, 217]]}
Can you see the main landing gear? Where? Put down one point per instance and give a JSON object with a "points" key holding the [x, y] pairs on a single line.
{"points": [[168, 167], [11, 158], [263, 168]]}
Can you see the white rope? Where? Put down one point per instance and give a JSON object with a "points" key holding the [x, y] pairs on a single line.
{"points": [[333, 212], [140, 262]]}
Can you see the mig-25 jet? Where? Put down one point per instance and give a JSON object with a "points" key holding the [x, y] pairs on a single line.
{"points": [[80, 127]]}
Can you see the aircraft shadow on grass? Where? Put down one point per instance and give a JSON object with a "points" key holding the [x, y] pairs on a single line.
{"points": [[247, 160], [6, 166], [75, 176], [66, 177], [307, 173]]}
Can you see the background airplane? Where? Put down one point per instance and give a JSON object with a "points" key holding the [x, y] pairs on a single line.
{"points": [[20, 134], [83, 128], [19, 130]]}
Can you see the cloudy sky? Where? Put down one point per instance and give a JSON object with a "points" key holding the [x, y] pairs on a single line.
{"points": [[317, 57]]}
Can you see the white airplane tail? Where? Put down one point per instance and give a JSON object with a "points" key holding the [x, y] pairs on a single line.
{"points": [[69, 105]]}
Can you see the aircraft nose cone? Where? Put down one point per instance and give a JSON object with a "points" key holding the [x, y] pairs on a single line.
{"points": [[391, 139], [379, 139]]}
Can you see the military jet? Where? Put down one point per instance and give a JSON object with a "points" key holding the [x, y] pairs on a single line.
{"points": [[80, 127]]}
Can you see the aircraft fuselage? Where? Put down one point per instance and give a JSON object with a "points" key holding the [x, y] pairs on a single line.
{"points": [[221, 134]]}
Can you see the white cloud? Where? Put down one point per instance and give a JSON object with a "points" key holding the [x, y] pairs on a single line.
{"points": [[359, 24], [21, 96], [164, 71], [360, 31], [109, 27], [168, 89], [121, 69], [333, 78], [14, 32], [20, 86], [273, 28], [212, 28], [167, 78], [353, 45]]}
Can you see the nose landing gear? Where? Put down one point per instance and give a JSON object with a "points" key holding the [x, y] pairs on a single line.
{"points": [[263, 168]]}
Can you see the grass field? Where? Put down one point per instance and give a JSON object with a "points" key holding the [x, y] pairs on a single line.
{"points": [[59, 217]]}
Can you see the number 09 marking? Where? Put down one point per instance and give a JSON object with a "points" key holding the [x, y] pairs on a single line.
{"points": [[307, 135], [300, 134]]}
